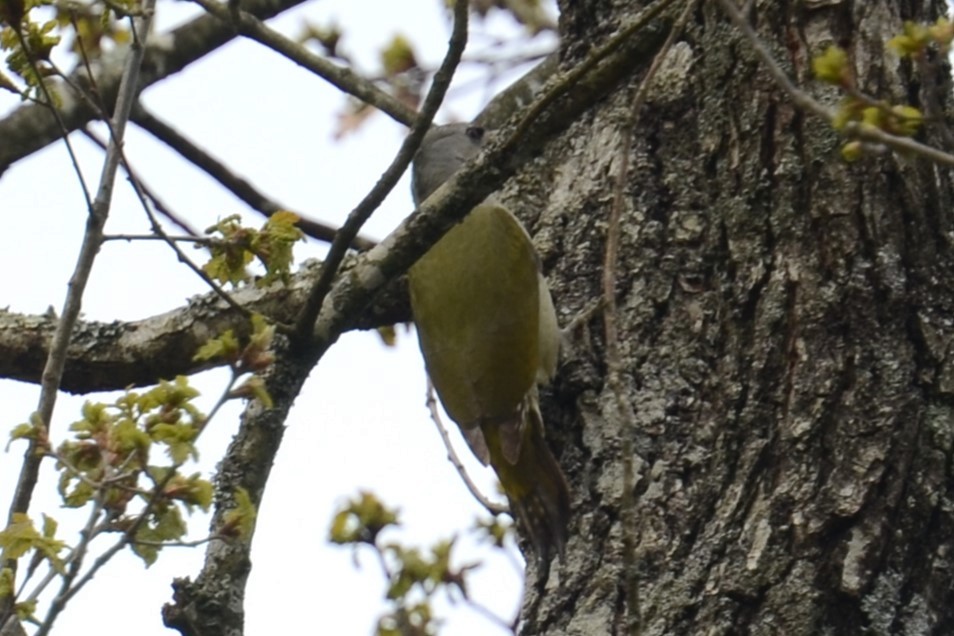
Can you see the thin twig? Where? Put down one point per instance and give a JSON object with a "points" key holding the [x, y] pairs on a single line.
{"points": [[92, 237], [340, 77], [488, 614], [188, 262], [569, 81], [160, 234], [614, 360], [150, 194], [390, 177], [152, 237], [178, 544], [235, 184], [51, 105], [492, 508], [99, 211], [803, 100], [75, 563]]}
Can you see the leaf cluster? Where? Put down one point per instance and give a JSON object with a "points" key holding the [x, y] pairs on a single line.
{"points": [[833, 67], [109, 463], [29, 44], [234, 247], [414, 575], [255, 356]]}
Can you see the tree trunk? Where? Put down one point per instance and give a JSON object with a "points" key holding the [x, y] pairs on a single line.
{"points": [[785, 325]]}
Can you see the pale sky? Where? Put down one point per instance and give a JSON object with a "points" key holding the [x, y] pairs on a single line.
{"points": [[360, 422]]}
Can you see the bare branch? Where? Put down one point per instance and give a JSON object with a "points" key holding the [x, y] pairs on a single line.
{"points": [[231, 181], [92, 239], [110, 356], [31, 127], [389, 179], [343, 78], [491, 507]]}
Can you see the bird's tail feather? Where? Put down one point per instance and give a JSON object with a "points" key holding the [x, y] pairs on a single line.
{"points": [[531, 477]]}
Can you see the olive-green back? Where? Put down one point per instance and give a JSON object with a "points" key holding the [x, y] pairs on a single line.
{"points": [[474, 295]]}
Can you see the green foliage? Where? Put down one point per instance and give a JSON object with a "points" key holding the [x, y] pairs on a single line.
{"points": [[327, 36], [398, 56], [95, 24], [832, 67], [236, 247], [34, 430], [414, 575], [108, 463], [253, 388], [416, 619], [7, 583], [428, 572], [39, 40], [165, 524], [21, 537], [240, 520], [226, 347], [901, 120], [255, 356], [192, 491], [859, 110], [27, 45], [497, 529], [361, 520], [916, 38]]}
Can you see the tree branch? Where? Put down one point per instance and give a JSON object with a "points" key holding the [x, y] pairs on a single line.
{"points": [[235, 184], [374, 198], [114, 355], [852, 130], [31, 127], [343, 78], [558, 103], [92, 239]]}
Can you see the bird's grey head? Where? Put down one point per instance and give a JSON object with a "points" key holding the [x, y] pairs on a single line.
{"points": [[444, 150]]}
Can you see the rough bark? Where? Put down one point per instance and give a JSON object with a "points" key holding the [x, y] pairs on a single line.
{"points": [[785, 325], [112, 356]]}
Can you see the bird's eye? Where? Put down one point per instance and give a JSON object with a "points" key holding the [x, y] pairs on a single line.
{"points": [[475, 132]]}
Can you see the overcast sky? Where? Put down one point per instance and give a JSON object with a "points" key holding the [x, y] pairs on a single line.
{"points": [[360, 422]]}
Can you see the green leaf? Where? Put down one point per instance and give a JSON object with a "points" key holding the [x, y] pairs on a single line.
{"points": [[240, 520], [398, 56], [179, 439], [832, 66], [225, 347], [21, 536], [192, 491], [254, 389], [907, 120], [361, 520], [912, 41], [7, 583], [257, 355], [274, 244], [23, 431]]}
